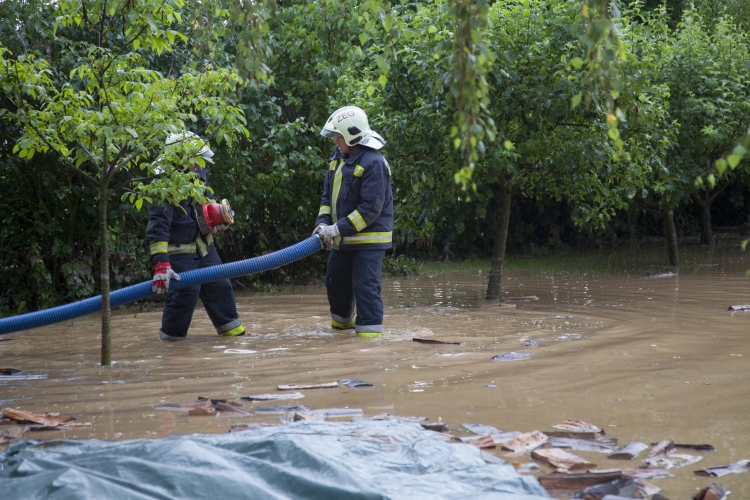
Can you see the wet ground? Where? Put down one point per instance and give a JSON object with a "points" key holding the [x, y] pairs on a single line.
{"points": [[646, 359]]}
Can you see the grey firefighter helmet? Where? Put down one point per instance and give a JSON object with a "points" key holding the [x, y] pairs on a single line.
{"points": [[351, 122]]}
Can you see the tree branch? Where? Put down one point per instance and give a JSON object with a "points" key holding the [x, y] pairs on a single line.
{"points": [[88, 153], [126, 160]]}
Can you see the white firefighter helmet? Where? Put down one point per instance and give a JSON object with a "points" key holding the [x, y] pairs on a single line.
{"points": [[193, 139], [351, 122]]}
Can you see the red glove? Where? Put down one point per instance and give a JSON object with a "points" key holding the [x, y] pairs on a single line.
{"points": [[162, 274]]}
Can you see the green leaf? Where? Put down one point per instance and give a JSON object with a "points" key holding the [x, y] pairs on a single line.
{"points": [[138, 203], [576, 101], [576, 62], [733, 160], [721, 165]]}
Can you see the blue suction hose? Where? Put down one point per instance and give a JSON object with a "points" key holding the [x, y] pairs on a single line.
{"points": [[266, 262]]}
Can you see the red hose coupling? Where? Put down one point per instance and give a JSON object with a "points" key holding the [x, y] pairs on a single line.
{"points": [[216, 214]]}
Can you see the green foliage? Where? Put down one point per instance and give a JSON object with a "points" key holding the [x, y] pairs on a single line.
{"points": [[85, 109], [400, 266], [709, 98]]}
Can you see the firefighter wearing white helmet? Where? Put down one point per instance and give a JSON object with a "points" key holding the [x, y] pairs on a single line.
{"points": [[179, 243], [355, 222]]}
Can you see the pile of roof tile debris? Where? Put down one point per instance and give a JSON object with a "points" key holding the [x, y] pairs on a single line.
{"points": [[573, 476]]}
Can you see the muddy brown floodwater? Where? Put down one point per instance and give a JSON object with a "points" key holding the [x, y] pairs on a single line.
{"points": [[646, 359]]}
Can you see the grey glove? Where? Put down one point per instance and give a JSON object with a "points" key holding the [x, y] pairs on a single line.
{"points": [[327, 234], [220, 228]]}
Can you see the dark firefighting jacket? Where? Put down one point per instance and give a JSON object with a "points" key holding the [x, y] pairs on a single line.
{"points": [[173, 229], [357, 197]]}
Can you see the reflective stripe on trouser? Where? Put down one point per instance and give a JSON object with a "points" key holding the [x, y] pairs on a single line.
{"points": [[217, 296], [355, 276]]}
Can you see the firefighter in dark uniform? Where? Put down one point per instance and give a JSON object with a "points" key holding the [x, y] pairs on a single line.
{"points": [[355, 222], [178, 245]]}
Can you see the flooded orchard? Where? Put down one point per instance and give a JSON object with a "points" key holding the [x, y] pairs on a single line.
{"points": [[645, 358]]}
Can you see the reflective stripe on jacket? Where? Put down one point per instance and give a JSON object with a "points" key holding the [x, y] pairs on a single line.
{"points": [[357, 197], [173, 229]]}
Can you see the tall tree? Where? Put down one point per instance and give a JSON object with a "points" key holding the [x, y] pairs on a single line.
{"points": [[106, 118]]}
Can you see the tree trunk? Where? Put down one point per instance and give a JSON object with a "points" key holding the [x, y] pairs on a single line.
{"points": [[501, 236], [669, 230], [104, 250], [707, 234]]}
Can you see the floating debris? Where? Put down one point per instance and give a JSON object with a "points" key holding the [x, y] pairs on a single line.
{"points": [[699, 447], [505, 306], [436, 427], [491, 386], [481, 442], [597, 446], [659, 275], [274, 397], [560, 459], [647, 473], [735, 468], [525, 442], [16, 374], [624, 487], [202, 412], [351, 382], [628, 452], [527, 298], [567, 483], [498, 435], [335, 412], [578, 426], [207, 407], [591, 436], [306, 417], [647, 488], [239, 351], [281, 409], [672, 460], [293, 387], [430, 341], [511, 356], [201, 402], [47, 421], [661, 448], [388, 416], [739, 308], [232, 407], [711, 492]]}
